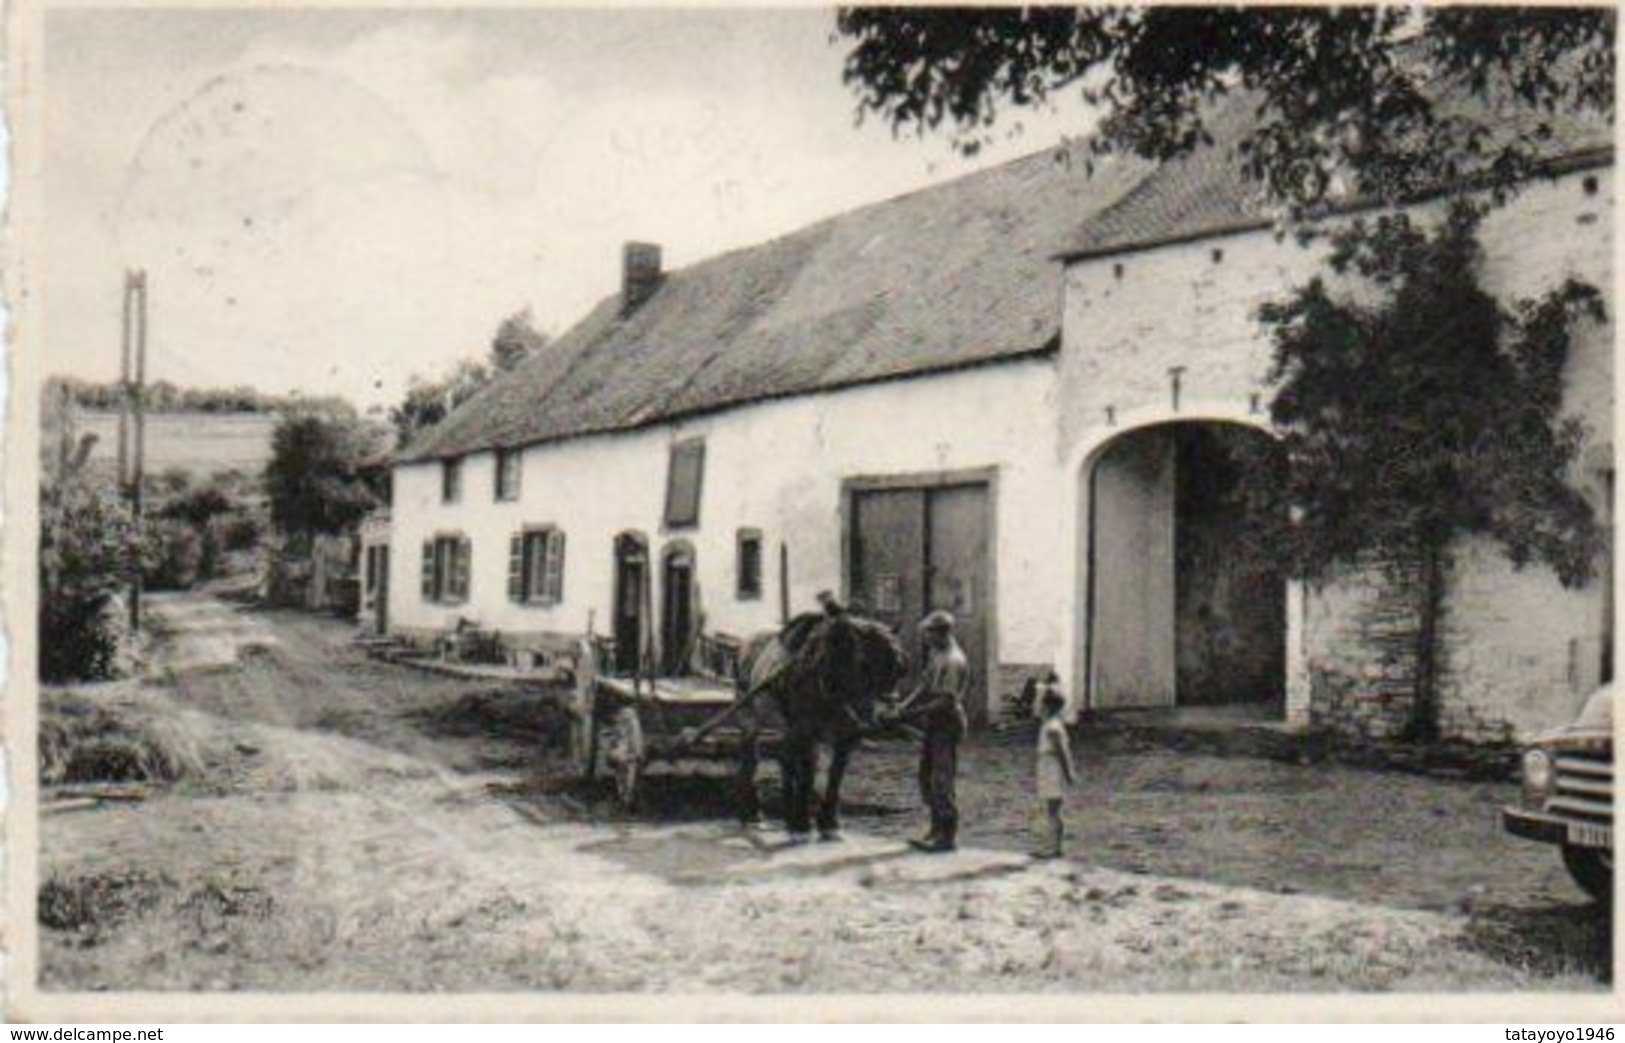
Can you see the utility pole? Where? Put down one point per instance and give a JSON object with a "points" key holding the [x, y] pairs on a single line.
{"points": [[135, 376], [124, 377]]}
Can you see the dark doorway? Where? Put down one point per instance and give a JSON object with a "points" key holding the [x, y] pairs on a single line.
{"points": [[677, 629], [377, 577], [1230, 599], [918, 549], [1186, 606], [631, 600]]}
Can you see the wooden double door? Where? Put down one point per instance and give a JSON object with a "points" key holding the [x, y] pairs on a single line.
{"points": [[915, 549]]}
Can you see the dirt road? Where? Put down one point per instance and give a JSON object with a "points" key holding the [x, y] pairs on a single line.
{"points": [[363, 826]]}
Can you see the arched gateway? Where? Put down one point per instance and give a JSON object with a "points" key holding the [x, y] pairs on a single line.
{"points": [[1169, 610]]}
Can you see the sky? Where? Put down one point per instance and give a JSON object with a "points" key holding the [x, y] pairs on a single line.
{"points": [[334, 201]]}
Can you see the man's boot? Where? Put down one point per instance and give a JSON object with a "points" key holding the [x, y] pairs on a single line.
{"points": [[940, 839]]}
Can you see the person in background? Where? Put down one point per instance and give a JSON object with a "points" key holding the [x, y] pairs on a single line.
{"points": [[1055, 768], [937, 706]]}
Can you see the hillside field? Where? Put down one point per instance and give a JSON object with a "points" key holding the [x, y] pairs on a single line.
{"points": [[199, 443]]}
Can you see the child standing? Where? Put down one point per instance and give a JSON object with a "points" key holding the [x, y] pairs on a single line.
{"points": [[1055, 768]]}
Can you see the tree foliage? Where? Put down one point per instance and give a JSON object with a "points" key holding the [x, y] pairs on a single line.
{"points": [[428, 402], [197, 507], [315, 478], [1332, 89], [516, 339], [1417, 410]]}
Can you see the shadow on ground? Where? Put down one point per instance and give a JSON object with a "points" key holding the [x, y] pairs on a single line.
{"points": [[1546, 940]]}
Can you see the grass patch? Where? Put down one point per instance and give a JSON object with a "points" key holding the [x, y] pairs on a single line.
{"points": [[110, 738], [92, 904]]}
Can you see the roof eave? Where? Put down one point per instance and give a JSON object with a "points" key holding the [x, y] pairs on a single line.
{"points": [[1050, 347], [1585, 159]]}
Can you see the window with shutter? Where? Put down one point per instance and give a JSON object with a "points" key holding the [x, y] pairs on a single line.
{"points": [[516, 567], [684, 477], [431, 590], [749, 565], [542, 566]]}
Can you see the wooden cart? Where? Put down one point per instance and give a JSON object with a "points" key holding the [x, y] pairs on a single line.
{"points": [[625, 722]]}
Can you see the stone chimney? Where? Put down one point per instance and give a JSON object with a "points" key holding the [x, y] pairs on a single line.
{"points": [[640, 275]]}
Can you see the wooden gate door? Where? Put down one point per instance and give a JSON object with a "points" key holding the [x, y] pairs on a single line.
{"points": [[957, 576], [919, 549], [1131, 648], [631, 582], [380, 597], [888, 564], [677, 612]]}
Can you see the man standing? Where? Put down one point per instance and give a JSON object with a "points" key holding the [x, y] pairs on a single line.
{"points": [[938, 706]]}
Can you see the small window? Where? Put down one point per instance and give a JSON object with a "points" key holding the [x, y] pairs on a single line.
{"points": [[507, 473], [536, 566], [451, 480], [683, 481], [446, 567], [749, 579]]}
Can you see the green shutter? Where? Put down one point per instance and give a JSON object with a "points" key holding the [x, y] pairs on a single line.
{"points": [[555, 566], [684, 477], [516, 567], [428, 570], [461, 557]]}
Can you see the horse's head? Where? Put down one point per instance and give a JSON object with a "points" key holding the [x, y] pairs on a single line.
{"points": [[862, 662]]}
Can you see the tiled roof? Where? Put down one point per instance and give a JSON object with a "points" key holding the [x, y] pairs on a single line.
{"points": [[943, 278], [946, 277], [1206, 193]]}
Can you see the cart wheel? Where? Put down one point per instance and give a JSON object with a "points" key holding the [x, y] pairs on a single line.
{"points": [[624, 754], [584, 744], [584, 718]]}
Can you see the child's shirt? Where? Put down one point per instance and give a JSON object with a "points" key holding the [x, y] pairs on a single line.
{"points": [[1054, 757]]}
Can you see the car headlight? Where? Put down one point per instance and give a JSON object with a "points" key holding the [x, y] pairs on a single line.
{"points": [[1537, 774]]}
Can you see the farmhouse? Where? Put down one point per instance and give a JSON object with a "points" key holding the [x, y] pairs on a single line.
{"points": [[1019, 396]]}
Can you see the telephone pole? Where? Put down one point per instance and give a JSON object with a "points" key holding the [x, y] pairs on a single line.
{"points": [[124, 379], [132, 417]]}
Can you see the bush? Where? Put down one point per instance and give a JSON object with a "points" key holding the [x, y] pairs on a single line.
{"points": [[176, 554], [82, 638], [240, 532], [89, 548]]}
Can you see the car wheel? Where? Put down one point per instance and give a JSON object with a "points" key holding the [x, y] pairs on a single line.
{"points": [[1592, 870]]}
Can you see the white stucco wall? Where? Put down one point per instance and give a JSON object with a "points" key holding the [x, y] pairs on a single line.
{"points": [[779, 467], [775, 466], [1129, 318]]}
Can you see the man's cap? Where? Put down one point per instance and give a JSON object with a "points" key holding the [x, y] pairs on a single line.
{"points": [[938, 620]]}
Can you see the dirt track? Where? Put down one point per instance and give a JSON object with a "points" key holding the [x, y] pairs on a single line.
{"points": [[365, 826]]}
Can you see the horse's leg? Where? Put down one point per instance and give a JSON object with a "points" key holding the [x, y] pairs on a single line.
{"points": [[796, 771], [749, 803], [829, 812], [798, 804]]}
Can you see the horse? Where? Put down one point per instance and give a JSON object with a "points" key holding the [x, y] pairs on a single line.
{"points": [[825, 675]]}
